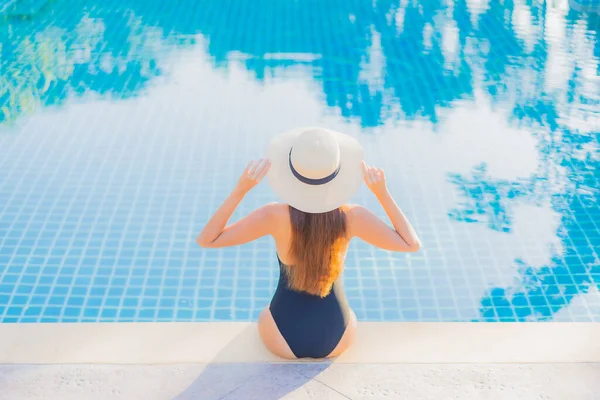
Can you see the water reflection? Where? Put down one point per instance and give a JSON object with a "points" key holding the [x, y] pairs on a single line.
{"points": [[85, 49], [479, 110]]}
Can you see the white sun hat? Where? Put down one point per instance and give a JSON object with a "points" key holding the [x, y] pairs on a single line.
{"points": [[315, 170]]}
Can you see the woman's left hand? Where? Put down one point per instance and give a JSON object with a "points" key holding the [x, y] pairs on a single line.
{"points": [[253, 174]]}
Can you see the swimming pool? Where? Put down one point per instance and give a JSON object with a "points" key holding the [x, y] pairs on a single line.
{"points": [[123, 124]]}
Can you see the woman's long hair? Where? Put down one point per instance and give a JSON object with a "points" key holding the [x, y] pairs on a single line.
{"points": [[318, 246]]}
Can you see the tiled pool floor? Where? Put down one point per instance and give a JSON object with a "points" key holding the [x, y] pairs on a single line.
{"points": [[124, 123]]}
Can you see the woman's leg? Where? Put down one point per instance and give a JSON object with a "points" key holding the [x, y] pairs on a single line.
{"points": [[347, 338], [271, 336]]}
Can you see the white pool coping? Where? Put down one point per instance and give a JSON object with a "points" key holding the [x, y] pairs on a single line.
{"points": [[223, 342]]}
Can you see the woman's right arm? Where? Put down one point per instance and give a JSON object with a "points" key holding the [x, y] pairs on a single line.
{"points": [[370, 228]]}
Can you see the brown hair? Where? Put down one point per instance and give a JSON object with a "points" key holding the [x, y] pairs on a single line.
{"points": [[317, 246]]}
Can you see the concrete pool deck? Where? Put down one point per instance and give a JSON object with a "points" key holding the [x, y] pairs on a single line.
{"points": [[270, 381], [238, 342], [225, 360]]}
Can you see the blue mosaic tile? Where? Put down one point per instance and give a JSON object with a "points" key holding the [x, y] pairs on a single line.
{"points": [[124, 124]]}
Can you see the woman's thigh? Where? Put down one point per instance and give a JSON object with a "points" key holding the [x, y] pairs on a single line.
{"points": [[347, 338], [271, 336]]}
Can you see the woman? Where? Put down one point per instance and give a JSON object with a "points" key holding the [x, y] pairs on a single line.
{"points": [[315, 172]]}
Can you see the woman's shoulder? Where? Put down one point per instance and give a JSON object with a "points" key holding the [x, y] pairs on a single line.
{"points": [[279, 219], [353, 209], [356, 216], [277, 210]]}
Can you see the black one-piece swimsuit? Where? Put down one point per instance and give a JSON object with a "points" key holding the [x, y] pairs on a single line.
{"points": [[311, 325]]}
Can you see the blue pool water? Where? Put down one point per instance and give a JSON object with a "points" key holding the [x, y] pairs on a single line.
{"points": [[123, 124]]}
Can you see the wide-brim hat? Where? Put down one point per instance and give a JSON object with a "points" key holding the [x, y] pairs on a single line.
{"points": [[313, 169]]}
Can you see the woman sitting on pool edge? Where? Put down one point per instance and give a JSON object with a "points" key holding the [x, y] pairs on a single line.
{"points": [[315, 172]]}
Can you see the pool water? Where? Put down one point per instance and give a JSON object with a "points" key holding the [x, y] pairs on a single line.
{"points": [[124, 124]]}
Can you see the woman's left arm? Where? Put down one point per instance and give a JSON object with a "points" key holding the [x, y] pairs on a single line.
{"points": [[257, 224]]}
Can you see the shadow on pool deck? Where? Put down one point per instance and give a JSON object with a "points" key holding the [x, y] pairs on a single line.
{"points": [[262, 380], [250, 381]]}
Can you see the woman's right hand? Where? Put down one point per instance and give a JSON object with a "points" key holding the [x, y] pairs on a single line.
{"points": [[375, 179]]}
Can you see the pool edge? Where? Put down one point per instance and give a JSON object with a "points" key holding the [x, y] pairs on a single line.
{"points": [[377, 342]]}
